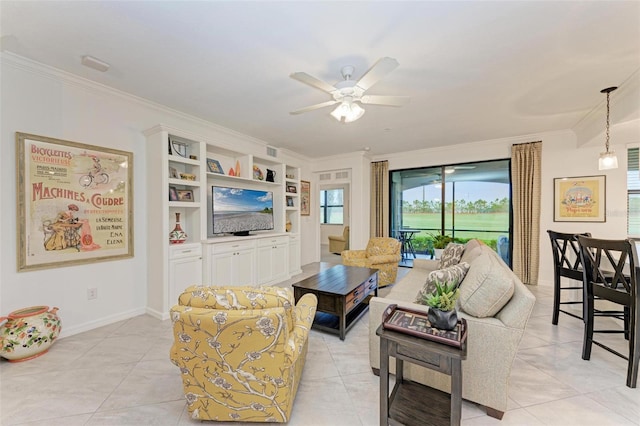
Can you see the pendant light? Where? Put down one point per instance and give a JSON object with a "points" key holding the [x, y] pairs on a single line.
{"points": [[608, 159]]}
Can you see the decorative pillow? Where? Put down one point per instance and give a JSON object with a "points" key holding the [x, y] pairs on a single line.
{"points": [[487, 287], [452, 273], [451, 255]]}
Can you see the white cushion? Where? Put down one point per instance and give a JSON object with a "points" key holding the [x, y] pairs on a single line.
{"points": [[487, 287]]}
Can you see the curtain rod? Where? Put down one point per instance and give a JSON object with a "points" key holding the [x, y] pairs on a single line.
{"points": [[526, 143]]}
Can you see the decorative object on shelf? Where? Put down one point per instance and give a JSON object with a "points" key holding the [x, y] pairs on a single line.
{"points": [[231, 172], [257, 173], [214, 166], [177, 236], [173, 173], [66, 192], [193, 157], [305, 198], [185, 195], [292, 189], [28, 333], [608, 159], [178, 148], [289, 202], [188, 176], [442, 312], [271, 175], [579, 199], [287, 226], [290, 176], [173, 193], [237, 170]]}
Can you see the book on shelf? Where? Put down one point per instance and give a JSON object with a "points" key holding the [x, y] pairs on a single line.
{"points": [[416, 323]]}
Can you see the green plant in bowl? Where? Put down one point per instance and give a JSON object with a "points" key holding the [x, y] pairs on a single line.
{"points": [[444, 297]]}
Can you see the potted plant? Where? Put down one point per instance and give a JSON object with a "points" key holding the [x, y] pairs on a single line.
{"points": [[442, 312], [440, 241]]}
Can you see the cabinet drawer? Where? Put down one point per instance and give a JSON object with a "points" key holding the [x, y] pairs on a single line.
{"points": [[232, 246], [355, 294], [180, 251], [273, 241], [371, 284]]}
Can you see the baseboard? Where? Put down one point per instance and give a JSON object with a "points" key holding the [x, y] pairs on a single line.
{"points": [[66, 332], [157, 314]]}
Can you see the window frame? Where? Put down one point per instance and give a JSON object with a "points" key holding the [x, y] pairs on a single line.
{"points": [[630, 191], [324, 206]]}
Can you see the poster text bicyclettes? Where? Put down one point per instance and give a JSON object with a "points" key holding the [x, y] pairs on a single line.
{"points": [[74, 203]]}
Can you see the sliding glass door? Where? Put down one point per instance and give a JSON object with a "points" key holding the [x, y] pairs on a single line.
{"points": [[463, 201]]}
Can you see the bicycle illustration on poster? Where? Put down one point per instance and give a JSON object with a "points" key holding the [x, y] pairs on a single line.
{"points": [[75, 203]]}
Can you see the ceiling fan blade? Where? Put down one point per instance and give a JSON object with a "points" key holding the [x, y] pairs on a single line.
{"points": [[312, 107], [305, 78], [385, 100], [381, 68]]}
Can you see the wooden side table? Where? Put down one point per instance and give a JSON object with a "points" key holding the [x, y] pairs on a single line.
{"points": [[413, 403]]}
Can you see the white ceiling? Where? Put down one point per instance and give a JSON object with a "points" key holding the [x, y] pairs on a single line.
{"points": [[474, 70]]}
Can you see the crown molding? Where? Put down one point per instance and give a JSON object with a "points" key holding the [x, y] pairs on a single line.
{"points": [[625, 107], [45, 71]]}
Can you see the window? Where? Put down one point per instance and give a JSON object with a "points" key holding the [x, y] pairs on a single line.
{"points": [[463, 201], [633, 187], [332, 206]]}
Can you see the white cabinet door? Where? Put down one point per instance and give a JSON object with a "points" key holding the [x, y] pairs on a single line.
{"points": [[232, 268], [294, 255], [243, 267], [183, 273], [272, 263], [280, 262], [221, 268]]}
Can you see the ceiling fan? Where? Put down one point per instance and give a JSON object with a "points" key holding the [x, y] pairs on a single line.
{"points": [[350, 93]]}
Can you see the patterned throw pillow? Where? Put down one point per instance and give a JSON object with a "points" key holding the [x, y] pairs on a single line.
{"points": [[451, 255], [452, 273]]}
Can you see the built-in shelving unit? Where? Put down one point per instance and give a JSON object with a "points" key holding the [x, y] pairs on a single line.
{"points": [[178, 165]]}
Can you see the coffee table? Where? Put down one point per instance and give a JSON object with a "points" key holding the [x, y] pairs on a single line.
{"points": [[341, 291]]}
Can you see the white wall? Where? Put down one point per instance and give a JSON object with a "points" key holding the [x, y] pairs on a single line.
{"points": [[560, 158], [360, 165], [44, 101]]}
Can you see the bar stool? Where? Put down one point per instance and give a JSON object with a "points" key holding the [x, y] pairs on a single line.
{"points": [[564, 247], [604, 277]]}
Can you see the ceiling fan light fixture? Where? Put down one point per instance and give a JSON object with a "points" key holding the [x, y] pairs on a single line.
{"points": [[608, 159], [349, 111]]}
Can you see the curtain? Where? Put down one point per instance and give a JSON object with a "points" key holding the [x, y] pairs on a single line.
{"points": [[379, 199], [526, 164]]}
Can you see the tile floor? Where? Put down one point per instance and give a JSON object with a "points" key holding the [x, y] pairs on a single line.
{"points": [[121, 375]]}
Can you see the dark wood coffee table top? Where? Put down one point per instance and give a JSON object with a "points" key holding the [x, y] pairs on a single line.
{"points": [[339, 279], [341, 292]]}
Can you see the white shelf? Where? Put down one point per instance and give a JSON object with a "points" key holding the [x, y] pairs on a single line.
{"points": [[183, 160], [187, 204], [184, 182]]}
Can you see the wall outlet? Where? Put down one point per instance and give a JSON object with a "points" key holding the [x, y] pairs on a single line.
{"points": [[92, 293]]}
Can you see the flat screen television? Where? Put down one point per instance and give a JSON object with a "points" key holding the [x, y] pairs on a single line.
{"points": [[239, 211]]}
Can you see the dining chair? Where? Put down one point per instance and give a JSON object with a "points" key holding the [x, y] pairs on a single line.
{"points": [[605, 277], [566, 263]]}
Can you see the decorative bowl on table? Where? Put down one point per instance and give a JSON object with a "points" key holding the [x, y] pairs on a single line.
{"points": [[187, 176]]}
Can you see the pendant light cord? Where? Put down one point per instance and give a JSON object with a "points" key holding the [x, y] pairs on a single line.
{"points": [[607, 140]]}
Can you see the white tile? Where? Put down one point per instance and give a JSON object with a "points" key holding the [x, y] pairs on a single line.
{"points": [[578, 410]]}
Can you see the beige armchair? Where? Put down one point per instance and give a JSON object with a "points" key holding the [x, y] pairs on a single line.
{"points": [[382, 253], [339, 243]]}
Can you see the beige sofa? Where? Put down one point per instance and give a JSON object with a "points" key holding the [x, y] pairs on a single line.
{"points": [[492, 340]]}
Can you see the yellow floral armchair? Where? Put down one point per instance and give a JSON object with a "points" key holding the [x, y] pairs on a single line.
{"points": [[382, 253], [241, 351]]}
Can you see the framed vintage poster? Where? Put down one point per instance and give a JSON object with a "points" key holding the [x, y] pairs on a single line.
{"points": [[305, 198], [579, 199], [75, 203]]}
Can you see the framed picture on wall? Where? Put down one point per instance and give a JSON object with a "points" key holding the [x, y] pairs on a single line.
{"points": [[305, 198], [579, 199], [75, 203]]}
